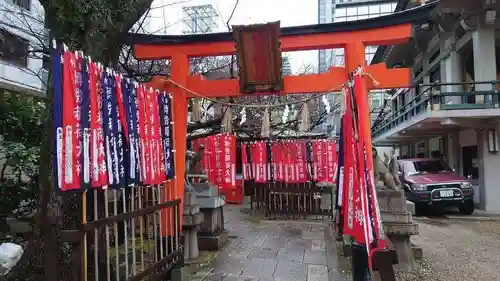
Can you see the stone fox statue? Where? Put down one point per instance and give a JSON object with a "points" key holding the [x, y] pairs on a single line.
{"points": [[386, 172], [193, 165], [194, 160]]}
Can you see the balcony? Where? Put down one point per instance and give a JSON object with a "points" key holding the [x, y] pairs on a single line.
{"points": [[438, 108], [31, 80]]}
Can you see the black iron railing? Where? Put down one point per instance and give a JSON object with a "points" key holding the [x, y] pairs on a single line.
{"points": [[442, 96]]}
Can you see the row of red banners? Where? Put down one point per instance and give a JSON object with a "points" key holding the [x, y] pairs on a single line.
{"points": [[296, 161], [109, 131], [282, 161], [219, 159]]}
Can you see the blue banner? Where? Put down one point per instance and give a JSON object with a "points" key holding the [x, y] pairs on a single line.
{"points": [[165, 105], [340, 166], [84, 138], [57, 88], [132, 149], [110, 123]]}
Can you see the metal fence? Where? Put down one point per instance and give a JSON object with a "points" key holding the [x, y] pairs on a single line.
{"points": [[442, 96], [129, 234], [278, 200]]}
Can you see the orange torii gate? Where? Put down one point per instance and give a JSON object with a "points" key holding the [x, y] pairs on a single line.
{"points": [[352, 36]]}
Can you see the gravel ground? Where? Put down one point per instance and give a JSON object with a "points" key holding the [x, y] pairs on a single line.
{"points": [[457, 250]]}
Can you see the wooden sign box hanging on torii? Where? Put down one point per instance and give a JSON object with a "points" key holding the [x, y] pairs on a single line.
{"points": [[259, 57]]}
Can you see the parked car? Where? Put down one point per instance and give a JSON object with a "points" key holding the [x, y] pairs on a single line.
{"points": [[431, 182]]}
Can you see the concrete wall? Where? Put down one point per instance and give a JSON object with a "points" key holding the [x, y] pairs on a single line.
{"points": [[28, 24], [487, 187], [467, 137], [489, 175]]}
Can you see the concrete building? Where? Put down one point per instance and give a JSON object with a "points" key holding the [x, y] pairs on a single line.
{"points": [[21, 31], [349, 10], [453, 111]]}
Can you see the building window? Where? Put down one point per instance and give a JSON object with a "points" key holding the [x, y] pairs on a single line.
{"points": [[363, 10], [386, 8], [374, 9], [13, 49], [25, 4], [340, 12]]}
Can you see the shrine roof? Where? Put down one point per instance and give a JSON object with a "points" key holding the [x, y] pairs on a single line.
{"points": [[402, 5], [415, 15]]}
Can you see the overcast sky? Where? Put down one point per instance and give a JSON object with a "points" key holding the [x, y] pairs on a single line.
{"points": [[167, 17]]}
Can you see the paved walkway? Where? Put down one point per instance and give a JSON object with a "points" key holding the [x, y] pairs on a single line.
{"points": [[273, 251]]}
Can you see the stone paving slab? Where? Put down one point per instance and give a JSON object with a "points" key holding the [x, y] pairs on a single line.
{"points": [[273, 251]]}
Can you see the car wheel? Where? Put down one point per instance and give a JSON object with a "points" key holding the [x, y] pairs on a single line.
{"points": [[467, 207]]}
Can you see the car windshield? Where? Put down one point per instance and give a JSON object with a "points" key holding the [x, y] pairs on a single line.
{"points": [[431, 166]]}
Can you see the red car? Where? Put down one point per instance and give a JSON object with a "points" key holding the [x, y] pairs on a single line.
{"points": [[431, 182]]}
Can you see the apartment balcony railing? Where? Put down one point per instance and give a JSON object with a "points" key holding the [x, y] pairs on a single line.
{"points": [[442, 96]]}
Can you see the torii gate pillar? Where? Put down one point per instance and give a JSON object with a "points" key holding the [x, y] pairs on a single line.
{"points": [[354, 56]]}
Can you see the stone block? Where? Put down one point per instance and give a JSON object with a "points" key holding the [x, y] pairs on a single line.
{"points": [[177, 274], [400, 229], [418, 253], [192, 220], [403, 248], [191, 209], [191, 251], [212, 222], [189, 198], [214, 242], [410, 206], [210, 202], [391, 200], [206, 190], [395, 217]]}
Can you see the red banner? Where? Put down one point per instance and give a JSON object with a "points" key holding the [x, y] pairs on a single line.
{"points": [[277, 161], [97, 155], [302, 171], [353, 223], [287, 162], [218, 156], [259, 162], [144, 134], [320, 157], [228, 158], [245, 165], [373, 226], [331, 161], [70, 118]]}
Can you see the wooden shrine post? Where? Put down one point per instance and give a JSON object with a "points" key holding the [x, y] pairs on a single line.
{"points": [[353, 37]]}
